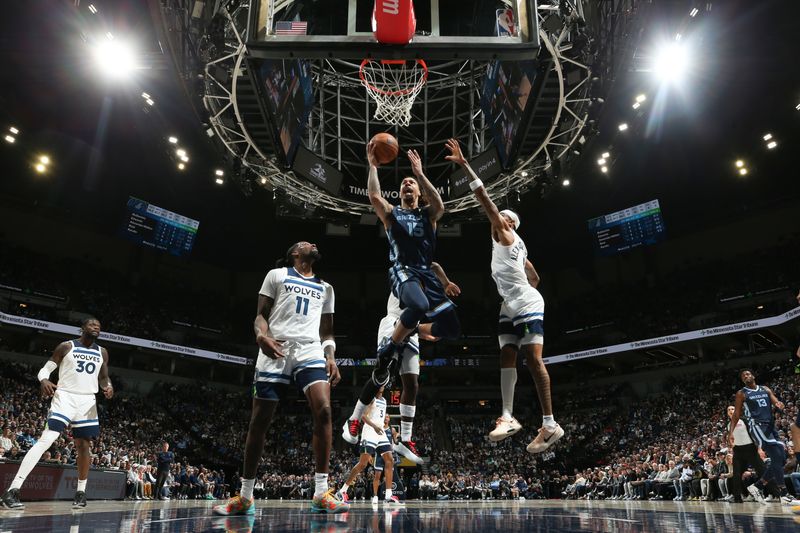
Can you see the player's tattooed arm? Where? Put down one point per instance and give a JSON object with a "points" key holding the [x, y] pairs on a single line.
{"points": [[326, 334], [271, 347], [382, 208], [531, 274], [435, 203], [103, 377], [47, 387], [450, 288], [500, 227]]}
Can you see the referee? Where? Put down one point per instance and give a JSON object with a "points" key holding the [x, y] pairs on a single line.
{"points": [[164, 459], [745, 454]]}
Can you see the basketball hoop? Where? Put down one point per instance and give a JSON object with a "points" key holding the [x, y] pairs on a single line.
{"points": [[393, 84]]}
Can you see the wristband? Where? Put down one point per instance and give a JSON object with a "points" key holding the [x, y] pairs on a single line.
{"points": [[475, 184], [46, 370], [328, 342]]}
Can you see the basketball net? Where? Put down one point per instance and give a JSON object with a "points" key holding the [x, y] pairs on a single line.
{"points": [[393, 84]]}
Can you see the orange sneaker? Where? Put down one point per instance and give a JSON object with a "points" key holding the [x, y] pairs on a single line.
{"points": [[328, 503], [235, 506]]}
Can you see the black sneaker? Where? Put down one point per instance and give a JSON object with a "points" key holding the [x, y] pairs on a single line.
{"points": [[80, 500], [10, 500]]}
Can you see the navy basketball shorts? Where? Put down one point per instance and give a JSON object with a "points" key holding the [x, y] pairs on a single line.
{"points": [[434, 292]]}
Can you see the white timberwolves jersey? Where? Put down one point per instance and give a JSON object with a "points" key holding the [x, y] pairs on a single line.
{"points": [[299, 303], [376, 415], [508, 269], [79, 369]]}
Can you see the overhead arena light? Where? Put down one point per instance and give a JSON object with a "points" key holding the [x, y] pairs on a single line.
{"points": [[180, 152], [694, 12], [13, 130], [181, 166], [671, 62], [263, 180], [524, 174], [767, 137], [92, 9], [622, 127], [739, 163], [641, 98], [219, 181], [797, 107], [601, 161], [173, 140], [114, 59], [604, 170], [45, 160], [605, 155], [10, 139], [743, 171], [40, 168], [184, 158], [636, 105], [771, 145], [565, 183], [219, 172]]}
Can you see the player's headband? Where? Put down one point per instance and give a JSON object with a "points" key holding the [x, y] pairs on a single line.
{"points": [[512, 215]]}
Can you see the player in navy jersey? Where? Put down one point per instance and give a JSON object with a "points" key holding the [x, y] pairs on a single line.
{"points": [[82, 370], [411, 230], [754, 405]]}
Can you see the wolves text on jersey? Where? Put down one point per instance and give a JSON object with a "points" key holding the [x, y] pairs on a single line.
{"points": [[303, 291]]}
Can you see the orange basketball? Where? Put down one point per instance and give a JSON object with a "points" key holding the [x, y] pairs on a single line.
{"points": [[386, 147]]}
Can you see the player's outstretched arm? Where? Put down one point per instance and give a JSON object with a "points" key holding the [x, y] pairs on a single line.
{"points": [[382, 208], [47, 387], [531, 274], [450, 288], [774, 399], [435, 203], [329, 348], [271, 347], [103, 378], [499, 225]]}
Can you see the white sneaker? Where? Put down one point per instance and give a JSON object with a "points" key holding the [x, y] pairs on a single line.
{"points": [[407, 452], [504, 428], [545, 439], [375, 500], [790, 500], [393, 501], [756, 494], [772, 499]]}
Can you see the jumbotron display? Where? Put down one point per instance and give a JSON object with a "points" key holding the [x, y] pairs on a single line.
{"points": [[627, 229], [158, 228]]}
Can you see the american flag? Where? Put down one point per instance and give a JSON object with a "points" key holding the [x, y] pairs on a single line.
{"points": [[291, 28]]}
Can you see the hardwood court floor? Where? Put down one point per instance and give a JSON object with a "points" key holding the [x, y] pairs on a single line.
{"points": [[440, 517]]}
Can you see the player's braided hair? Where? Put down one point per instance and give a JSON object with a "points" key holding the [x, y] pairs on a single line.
{"points": [[287, 260]]}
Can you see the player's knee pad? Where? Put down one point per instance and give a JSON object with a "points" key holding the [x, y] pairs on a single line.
{"points": [[447, 325]]}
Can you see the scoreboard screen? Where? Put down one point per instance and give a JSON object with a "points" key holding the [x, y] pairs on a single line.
{"points": [[158, 228], [628, 229]]}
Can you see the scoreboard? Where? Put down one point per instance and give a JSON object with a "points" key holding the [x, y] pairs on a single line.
{"points": [[627, 229], [158, 228]]}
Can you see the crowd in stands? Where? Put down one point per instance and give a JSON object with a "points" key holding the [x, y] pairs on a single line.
{"points": [[648, 307], [665, 446]]}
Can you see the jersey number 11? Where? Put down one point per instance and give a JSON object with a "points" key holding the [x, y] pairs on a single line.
{"points": [[302, 305]]}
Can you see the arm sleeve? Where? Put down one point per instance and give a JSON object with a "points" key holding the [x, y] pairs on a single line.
{"points": [[330, 299], [271, 281]]}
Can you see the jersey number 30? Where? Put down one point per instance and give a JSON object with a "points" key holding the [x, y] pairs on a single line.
{"points": [[83, 366], [302, 305]]}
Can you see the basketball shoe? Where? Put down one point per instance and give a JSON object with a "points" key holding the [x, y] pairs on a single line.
{"points": [[504, 428], [545, 439], [235, 506], [393, 501], [409, 450], [10, 500], [328, 503], [350, 430]]}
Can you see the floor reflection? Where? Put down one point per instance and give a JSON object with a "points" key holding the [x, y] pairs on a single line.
{"points": [[453, 517]]}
